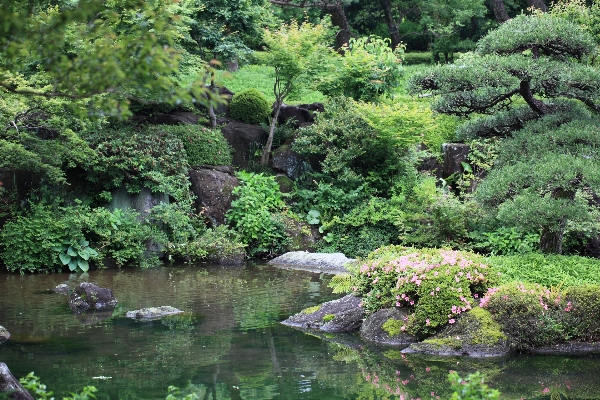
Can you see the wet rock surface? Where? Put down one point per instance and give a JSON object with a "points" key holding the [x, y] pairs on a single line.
{"points": [[4, 335], [213, 187], [87, 296], [372, 328], [341, 315], [10, 385], [153, 313]]}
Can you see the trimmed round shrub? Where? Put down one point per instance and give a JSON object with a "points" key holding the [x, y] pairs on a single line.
{"points": [[250, 106]]}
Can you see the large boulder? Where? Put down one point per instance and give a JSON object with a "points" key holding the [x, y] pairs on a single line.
{"points": [[88, 296], [213, 187], [10, 385], [222, 109], [319, 262], [245, 139], [141, 202], [341, 315], [292, 164], [454, 154], [384, 327], [4, 335], [474, 334], [303, 237], [299, 114]]}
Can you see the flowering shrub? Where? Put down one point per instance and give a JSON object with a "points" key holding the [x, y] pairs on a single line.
{"points": [[436, 285], [532, 315]]}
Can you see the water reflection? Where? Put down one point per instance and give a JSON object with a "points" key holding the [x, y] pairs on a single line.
{"points": [[228, 343]]}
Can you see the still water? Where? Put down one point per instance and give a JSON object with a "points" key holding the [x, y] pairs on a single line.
{"points": [[229, 343]]}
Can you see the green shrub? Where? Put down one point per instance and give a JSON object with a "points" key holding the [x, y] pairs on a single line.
{"points": [[547, 270], [250, 106], [414, 58], [203, 146], [216, 244], [139, 157], [582, 312], [253, 214], [530, 314], [509, 241], [435, 285]]}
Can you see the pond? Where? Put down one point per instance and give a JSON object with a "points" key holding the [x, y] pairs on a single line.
{"points": [[229, 343]]}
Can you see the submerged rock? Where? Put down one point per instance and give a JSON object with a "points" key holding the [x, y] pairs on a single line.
{"points": [[341, 315], [153, 313], [383, 327], [474, 334], [4, 335], [63, 288], [10, 385], [88, 296], [319, 262]]}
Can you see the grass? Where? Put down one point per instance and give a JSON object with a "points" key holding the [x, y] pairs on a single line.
{"points": [[261, 77]]}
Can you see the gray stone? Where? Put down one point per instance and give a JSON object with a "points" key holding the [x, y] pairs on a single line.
{"points": [[454, 154], [292, 164], [333, 263], [341, 315], [88, 296], [246, 140], [63, 288], [474, 334], [11, 386], [4, 335], [153, 313], [213, 189], [299, 114], [141, 202], [372, 328], [303, 237]]}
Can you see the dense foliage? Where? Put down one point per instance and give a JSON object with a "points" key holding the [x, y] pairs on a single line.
{"points": [[250, 106]]}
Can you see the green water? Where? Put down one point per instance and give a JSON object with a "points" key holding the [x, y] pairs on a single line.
{"points": [[229, 343]]}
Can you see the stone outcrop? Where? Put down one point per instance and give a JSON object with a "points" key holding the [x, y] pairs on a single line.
{"points": [[153, 313], [454, 154], [383, 327], [245, 139], [473, 334], [62, 288], [292, 164], [213, 187], [4, 335], [319, 262], [10, 385], [141, 202], [300, 114], [88, 296], [341, 315], [303, 237]]}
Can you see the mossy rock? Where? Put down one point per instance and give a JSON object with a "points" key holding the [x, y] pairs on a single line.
{"points": [[341, 315], [473, 334], [385, 327]]}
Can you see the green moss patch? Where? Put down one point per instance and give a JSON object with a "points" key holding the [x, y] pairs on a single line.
{"points": [[392, 327], [328, 317], [311, 310]]}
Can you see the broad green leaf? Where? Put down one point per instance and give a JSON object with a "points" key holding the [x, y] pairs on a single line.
{"points": [[71, 251], [73, 265], [83, 264], [64, 258]]}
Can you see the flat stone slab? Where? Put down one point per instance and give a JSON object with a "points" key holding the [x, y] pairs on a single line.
{"points": [[568, 348], [331, 263], [341, 315], [153, 313]]}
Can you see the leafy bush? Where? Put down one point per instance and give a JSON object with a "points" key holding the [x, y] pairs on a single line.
{"points": [[414, 58], [253, 214], [139, 157], [250, 106], [532, 315], [510, 241], [368, 69], [212, 245], [203, 146], [547, 270], [33, 385], [41, 240], [435, 285]]}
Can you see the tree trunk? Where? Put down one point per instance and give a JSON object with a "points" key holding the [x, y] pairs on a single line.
{"points": [[391, 23], [551, 240], [536, 105], [339, 19], [537, 4], [500, 11]]}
